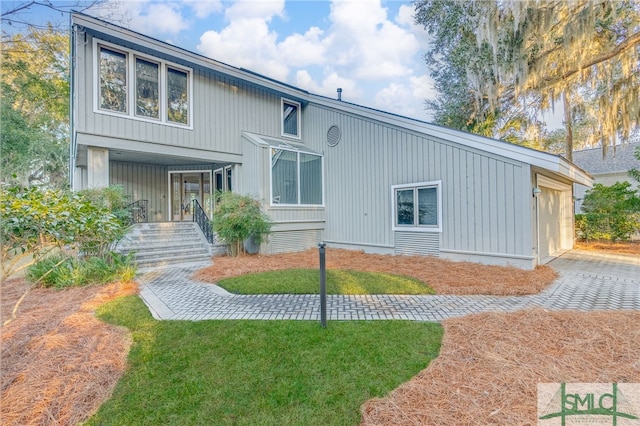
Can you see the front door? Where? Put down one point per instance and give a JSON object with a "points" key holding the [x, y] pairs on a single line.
{"points": [[186, 187]]}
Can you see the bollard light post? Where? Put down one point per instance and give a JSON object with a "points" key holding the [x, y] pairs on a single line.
{"points": [[323, 286]]}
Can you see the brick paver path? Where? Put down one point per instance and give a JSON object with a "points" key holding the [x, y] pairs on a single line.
{"points": [[588, 281]]}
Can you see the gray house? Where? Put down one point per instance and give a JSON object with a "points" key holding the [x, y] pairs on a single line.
{"points": [[606, 170], [172, 126]]}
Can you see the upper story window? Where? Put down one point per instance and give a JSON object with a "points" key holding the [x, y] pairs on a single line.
{"points": [[417, 207], [113, 80], [177, 96], [161, 91], [147, 88], [290, 118]]}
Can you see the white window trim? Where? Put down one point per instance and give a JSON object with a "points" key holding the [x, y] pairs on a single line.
{"points": [[271, 203], [416, 228], [298, 118], [131, 86], [160, 90]]}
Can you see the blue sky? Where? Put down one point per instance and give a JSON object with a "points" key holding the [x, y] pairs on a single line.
{"points": [[369, 48]]}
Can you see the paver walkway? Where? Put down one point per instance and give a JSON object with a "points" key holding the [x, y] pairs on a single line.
{"points": [[588, 281]]}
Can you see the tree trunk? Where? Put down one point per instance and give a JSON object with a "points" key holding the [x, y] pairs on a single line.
{"points": [[568, 123]]}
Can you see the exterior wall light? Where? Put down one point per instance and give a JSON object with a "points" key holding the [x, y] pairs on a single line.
{"points": [[536, 191]]}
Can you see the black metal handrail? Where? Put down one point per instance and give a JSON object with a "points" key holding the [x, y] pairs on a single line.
{"points": [[138, 211], [201, 218]]}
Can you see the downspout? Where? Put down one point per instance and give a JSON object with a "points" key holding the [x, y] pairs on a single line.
{"points": [[72, 139]]}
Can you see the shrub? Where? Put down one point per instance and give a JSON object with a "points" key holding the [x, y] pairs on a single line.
{"points": [[612, 213], [35, 222], [238, 217], [62, 270]]}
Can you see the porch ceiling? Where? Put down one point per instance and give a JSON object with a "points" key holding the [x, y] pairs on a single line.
{"points": [[153, 158], [143, 158]]}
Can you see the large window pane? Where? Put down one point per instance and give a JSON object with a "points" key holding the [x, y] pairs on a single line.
{"points": [[405, 208], [428, 206], [177, 96], [310, 179], [284, 176], [113, 80], [147, 89], [290, 118]]}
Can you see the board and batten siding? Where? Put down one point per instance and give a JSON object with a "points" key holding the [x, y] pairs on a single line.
{"points": [[485, 204], [220, 107], [143, 182]]}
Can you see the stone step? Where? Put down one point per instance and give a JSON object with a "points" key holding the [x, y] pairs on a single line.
{"points": [[168, 243]]}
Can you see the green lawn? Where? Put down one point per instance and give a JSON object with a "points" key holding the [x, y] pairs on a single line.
{"points": [[259, 372], [306, 281]]}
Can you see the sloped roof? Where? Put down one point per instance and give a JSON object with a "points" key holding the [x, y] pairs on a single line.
{"points": [[622, 160], [545, 160]]}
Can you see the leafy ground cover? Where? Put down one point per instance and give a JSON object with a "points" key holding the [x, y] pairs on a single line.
{"points": [[259, 372], [306, 281]]}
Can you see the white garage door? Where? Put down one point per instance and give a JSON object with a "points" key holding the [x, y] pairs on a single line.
{"points": [[550, 214]]}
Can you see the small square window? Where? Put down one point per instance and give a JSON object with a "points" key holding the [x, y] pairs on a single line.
{"points": [[417, 207], [290, 118]]}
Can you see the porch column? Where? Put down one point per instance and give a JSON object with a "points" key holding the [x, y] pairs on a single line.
{"points": [[97, 167]]}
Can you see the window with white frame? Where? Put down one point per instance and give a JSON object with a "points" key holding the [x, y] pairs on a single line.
{"points": [[147, 88], [417, 207], [296, 177], [113, 80], [161, 91], [290, 118]]}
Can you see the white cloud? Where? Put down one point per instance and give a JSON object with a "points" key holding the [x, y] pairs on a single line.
{"points": [[153, 18], [302, 50], [371, 55], [204, 8], [246, 43], [367, 42], [329, 85], [250, 9]]}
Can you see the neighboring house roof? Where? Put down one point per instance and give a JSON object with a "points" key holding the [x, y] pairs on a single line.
{"points": [[620, 160], [544, 160]]}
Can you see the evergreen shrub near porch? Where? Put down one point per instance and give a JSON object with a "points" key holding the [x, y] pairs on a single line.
{"points": [[238, 217]]}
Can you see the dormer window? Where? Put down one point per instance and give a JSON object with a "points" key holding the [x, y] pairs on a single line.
{"points": [[290, 118]]}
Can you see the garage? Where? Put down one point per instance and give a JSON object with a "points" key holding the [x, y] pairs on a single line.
{"points": [[555, 218]]}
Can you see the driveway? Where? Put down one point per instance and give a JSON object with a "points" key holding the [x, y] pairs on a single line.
{"points": [[588, 281]]}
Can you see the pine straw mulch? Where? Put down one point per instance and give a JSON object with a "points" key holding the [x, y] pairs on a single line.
{"points": [[630, 247], [490, 364], [444, 276], [59, 362]]}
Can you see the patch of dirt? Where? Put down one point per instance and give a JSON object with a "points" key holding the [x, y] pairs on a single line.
{"points": [[490, 364], [444, 276], [59, 362], [624, 248]]}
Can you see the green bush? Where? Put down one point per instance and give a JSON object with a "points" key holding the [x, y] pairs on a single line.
{"points": [[238, 217], [612, 213], [62, 271]]}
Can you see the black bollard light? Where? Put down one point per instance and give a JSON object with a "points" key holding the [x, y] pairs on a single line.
{"points": [[323, 286]]}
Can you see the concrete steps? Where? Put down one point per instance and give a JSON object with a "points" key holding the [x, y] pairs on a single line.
{"points": [[167, 243]]}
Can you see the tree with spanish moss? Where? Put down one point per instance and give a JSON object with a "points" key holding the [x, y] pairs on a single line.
{"points": [[582, 54]]}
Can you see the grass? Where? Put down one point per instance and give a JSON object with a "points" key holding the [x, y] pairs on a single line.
{"points": [[307, 281], [259, 372]]}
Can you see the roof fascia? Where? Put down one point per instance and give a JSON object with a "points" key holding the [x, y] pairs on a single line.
{"points": [[545, 160], [135, 38]]}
